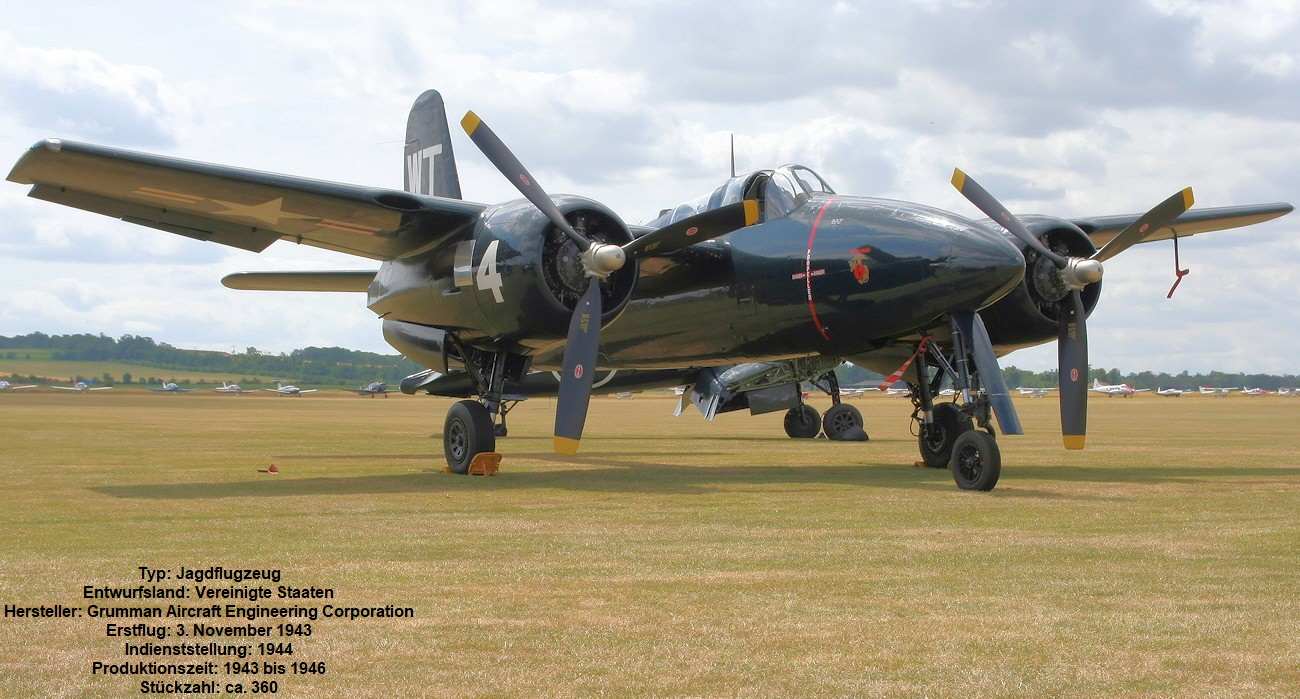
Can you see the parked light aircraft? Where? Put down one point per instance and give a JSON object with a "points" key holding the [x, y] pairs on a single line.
{"points": [[6, 386], [81, 386], [1288, 392], [171, 387], [1170, 392], [1214, 391], [289, 390], [229, 388], [1121, 389], [372, 389], [1034, 392], [1254, 392], [769, 282]]}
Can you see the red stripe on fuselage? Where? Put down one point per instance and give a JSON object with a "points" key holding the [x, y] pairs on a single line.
{"points": [[807, 268]]}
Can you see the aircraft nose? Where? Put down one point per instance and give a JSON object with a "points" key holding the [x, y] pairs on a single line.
{"points": [[992, 261]]}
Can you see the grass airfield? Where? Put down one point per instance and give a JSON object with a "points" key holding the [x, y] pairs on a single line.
{"points": [[674, 557]]}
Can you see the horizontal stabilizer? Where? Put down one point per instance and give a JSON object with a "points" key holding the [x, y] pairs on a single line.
{"points": [[300, 281]]}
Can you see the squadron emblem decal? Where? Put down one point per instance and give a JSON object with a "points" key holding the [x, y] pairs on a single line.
{"points": [[858, 265]]}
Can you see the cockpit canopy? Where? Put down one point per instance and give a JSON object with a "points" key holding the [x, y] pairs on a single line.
{"points": [[780, 191]]}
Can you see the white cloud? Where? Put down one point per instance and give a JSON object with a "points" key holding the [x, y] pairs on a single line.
{"points": [[79, 92], [1071, 109]]}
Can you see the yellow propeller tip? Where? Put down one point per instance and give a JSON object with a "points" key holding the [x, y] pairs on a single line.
{"points": [[470, 122], [1073, 441], [1188, 200], [958, 179], [566, 446], [751, 212]]}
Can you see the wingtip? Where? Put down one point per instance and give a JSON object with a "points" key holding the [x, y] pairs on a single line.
{"points": [[566, 445], [470, 122]]}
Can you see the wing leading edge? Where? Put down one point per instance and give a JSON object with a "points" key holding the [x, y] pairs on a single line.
{"points": [[1101, 229], [246, 209]]}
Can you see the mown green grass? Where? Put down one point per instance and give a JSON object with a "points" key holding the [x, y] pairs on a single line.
{"points": [[676, 557]]}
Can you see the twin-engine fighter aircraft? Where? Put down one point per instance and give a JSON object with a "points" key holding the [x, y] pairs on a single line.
{"points": [[770, 281]]}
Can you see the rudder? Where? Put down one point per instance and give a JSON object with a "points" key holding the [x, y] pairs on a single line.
{"points": [[429, 167]]}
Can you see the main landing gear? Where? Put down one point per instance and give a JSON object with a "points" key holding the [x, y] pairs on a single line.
{"points": [[959, 435], [472, 426], [842, 422]]}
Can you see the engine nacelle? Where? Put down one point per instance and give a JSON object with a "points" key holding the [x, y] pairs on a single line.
{"points": [[512, 282], [1027, 316]]}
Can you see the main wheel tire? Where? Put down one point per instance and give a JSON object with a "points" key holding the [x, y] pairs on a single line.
{"points": [[467, 432], [843, 422], [936, 442], [803, 422], [976, 461]]}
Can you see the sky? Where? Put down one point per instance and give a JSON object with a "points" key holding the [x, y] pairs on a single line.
{"points": [[1065, 109]]}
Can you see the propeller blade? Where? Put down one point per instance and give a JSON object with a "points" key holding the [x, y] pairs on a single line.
{"points": [[994, 209], [694, 229], [1162, 215], [986, 363], [505, 161], [579, 369], [1072, 352]]}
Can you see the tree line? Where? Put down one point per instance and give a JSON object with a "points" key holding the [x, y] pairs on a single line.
{"points": [[311, 365], [337, 366]]}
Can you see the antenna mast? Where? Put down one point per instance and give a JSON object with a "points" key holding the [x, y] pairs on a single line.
{"points": [[733, 155]]}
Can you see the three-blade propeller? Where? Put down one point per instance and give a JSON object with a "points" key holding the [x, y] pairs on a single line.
{"points": [[598, 260], [1076, 273]]}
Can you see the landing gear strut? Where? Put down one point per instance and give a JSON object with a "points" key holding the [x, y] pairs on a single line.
{"points": [[946, 435], [472, 426]]}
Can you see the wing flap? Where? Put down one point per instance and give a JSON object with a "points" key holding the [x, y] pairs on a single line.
{"points": [[1101, 229], [242, 208]]}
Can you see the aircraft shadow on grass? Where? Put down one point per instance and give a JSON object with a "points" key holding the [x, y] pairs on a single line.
{"points": [[593, 474], [628, 476]]}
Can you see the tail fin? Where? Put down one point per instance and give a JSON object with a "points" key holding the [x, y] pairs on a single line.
{"points": [[430, 164], [1096, 383]]}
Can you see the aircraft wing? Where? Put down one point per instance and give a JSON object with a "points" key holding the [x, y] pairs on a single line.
{"points": [[63, 388], [1101, 229], [241, 208]]}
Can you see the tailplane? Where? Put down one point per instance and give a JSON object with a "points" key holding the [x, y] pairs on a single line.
{"points": [[430, 167]]}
